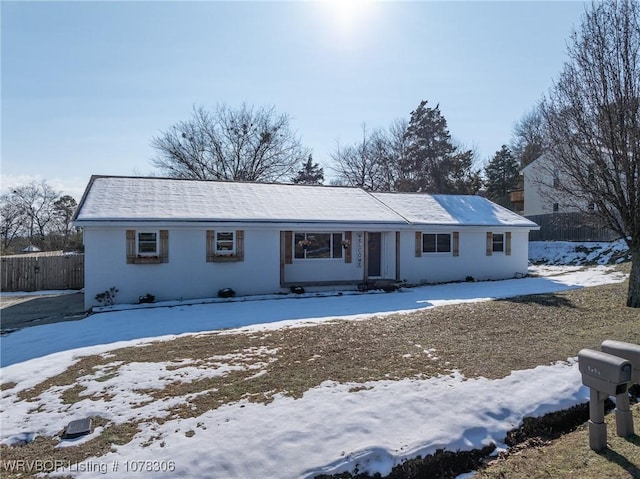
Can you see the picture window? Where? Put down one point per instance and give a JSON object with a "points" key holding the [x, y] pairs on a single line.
{"points": [[318, 245], [436, 243]]}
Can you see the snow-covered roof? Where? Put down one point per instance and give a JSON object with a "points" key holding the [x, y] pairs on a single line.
{"points": [[469, 210], [113, 198], [150, 199]]}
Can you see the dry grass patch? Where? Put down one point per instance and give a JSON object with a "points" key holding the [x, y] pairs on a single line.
{"points": [[7, 386], [493, 338], [487, 339], [569, 457], [44, 448]]}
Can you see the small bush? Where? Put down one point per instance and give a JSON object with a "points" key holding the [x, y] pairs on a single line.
{"points": [[147, 298], [108, 297], [469, 279], [226, 293]]}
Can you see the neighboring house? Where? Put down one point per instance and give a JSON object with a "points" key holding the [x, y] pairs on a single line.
{"points": [[560, 216], [185, 239], [541, 193]]}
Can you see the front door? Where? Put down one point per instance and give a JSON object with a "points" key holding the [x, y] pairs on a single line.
{"points": [[374, 252]]}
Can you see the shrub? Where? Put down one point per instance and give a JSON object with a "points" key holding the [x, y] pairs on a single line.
{"points": [[226, 293], [108, 297], [147, 298], [297, 289]]}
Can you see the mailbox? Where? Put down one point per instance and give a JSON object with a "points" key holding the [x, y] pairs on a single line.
{"points": [[628, 351], [604, 372], [605, 375]]}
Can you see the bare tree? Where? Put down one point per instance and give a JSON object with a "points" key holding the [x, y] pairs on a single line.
{"points": [[392, 152], [362, 164], [12, 221], [247, 144], [592, 119], [35, 211], [372, 163], [528, 140]]}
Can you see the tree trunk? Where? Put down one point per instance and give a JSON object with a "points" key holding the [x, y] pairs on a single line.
{"points": [[633, 295]]}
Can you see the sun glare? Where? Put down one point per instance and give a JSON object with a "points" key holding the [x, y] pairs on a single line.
{"points": [[346, 12], [349, 21]]}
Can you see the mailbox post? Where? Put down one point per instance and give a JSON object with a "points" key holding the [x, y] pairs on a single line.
{"points": [[606, 375], [630, 352]]}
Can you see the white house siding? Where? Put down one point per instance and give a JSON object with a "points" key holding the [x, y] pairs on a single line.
{"points": [[539, 193], [472, 259], [186, 275]]}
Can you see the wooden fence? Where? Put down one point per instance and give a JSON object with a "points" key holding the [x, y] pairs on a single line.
{"points": [[569, 227], [42, 271]]}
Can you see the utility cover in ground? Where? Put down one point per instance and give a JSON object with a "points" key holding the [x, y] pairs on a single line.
{"points": [[80, 427]]}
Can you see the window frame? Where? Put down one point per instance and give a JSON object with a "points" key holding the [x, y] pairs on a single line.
{"points": [[135, 256], [336, 243], [147, 254], [225, 252], [436, 250], [503, 242]]}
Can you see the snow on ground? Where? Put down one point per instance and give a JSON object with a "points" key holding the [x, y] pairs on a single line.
{"points": [[331, 429], [177, 318], [568, 252]]}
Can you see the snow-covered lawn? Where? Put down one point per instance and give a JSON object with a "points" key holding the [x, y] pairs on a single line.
{"points": [[332, 428], [568, 252], [276, 311]]}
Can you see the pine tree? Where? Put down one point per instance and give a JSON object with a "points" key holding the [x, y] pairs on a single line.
{"points": [[309, 174], [502, 176], [433, 164]]}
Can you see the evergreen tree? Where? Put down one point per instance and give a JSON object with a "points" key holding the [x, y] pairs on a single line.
{"points": [[433, 164], [502, 176], [462, 179], [309, 174]]}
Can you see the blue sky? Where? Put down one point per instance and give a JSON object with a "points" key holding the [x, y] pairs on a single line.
{"points": [[86, 85]]}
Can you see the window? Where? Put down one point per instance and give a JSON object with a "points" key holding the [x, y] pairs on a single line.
{"points": [[556, 207], [498, 243], [147, 244], [225, 243], [317, 245], [225, 246], [147, 247], [436, 243]]}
